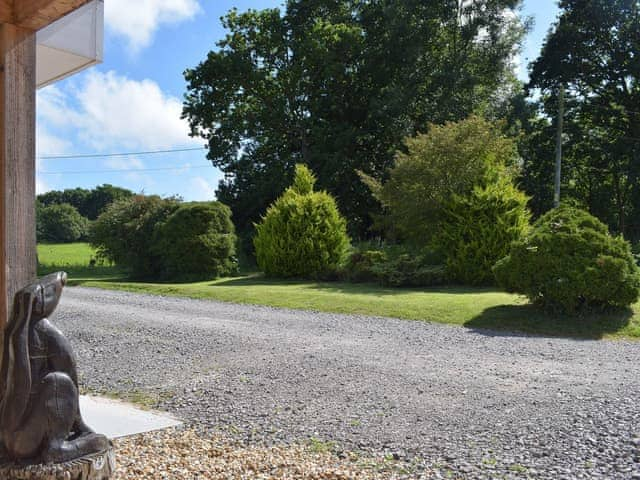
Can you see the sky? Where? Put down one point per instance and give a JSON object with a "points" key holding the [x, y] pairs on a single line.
{"points": [[132, 102]]}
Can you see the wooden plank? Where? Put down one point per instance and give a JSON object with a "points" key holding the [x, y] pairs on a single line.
{"points": [[6, 11], [17, 163], [36, 14]]}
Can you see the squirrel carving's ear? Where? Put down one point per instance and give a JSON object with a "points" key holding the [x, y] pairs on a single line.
{"points": [[27, 305]]}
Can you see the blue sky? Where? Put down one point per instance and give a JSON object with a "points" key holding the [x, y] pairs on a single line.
{"points": [[132, 101]]}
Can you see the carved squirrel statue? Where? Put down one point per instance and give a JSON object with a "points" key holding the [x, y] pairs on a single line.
{"points": [[40, 417]]}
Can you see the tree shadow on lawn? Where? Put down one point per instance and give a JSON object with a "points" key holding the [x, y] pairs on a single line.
{"points": [[522, 320], [347, 287], [78, 275]]}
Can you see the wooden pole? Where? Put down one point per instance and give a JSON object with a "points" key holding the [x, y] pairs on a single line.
{"points": [[17, 164], [556, 193]]}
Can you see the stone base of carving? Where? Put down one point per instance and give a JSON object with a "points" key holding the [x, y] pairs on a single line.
{"points": [[99, 466]]}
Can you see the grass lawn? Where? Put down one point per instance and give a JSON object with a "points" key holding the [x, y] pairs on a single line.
{"points": [[74, 258], [481, 308]]}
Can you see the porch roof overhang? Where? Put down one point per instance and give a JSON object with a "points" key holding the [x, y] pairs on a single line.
{"points": [[36, 14]]}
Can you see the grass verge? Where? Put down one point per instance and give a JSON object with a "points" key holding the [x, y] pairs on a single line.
{"points": [[476, 308]]}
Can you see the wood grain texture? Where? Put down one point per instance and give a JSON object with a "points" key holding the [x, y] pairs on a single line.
{"points": [[6, 11], [36, 14], [17, 163]]}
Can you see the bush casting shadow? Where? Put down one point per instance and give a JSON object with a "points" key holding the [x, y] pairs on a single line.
{"points": [[529, 319], [361, 288]]}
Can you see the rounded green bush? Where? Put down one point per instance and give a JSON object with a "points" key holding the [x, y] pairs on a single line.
{"points": [[302, 233], [477, 230], [569, 262], [197, 240], [61, 223], [124, 233]]}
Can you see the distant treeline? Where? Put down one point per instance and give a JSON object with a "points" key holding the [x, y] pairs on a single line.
{"points": [[89, 203], [65, 215]]}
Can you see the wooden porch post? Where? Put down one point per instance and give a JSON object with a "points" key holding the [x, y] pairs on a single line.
{"points": [[17, 164]]}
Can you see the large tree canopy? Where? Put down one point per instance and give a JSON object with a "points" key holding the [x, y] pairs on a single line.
{"points": [[593, 50], [337, 85]]}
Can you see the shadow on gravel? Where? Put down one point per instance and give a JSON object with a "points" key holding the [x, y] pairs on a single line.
{"points": [[516, 320]]}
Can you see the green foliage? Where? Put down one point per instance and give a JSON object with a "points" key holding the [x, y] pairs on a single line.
{"points": [[302, 234], [359, 266], [408, 270], [90, 203], [124, 233], [304, 180], [60, 223], [449, 160], [337, 85], [477, 230], [569, 262], [197, 240], [635, 250], [592, 51]]}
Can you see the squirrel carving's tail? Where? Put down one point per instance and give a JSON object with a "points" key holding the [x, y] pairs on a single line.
{"points": [[15, 381]]}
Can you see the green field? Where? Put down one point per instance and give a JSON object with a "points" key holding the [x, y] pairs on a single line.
{"points": [[75, 258], [470, 307]]}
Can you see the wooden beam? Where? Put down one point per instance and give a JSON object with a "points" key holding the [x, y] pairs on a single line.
{"points": [[17, 164], [6, 11], [37, 14]]}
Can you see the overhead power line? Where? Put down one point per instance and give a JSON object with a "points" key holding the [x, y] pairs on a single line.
{"points": [[123, 154], [125, 170]]}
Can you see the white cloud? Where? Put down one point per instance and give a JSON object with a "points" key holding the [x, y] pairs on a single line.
{"points": [[135, 114], [128, 162], [138, 20], [109, 111], [41, 186], [200, 190]]}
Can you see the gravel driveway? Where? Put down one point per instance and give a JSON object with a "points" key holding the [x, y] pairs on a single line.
{"points": [[469, 404]]}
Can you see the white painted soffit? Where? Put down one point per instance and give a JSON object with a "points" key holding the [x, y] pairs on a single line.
{"points": [[70, 44]]}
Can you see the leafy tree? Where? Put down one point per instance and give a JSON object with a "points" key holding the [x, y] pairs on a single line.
{"points": [[77, 197], [302, 233], [60, 223], [90, 203], [101, 197], [124, 233], [449, 160], [337, 86], [196, 241], [592, 51]]}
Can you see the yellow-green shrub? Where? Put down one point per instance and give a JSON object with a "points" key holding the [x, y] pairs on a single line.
{"points": [[302, 233], [477, 230]]}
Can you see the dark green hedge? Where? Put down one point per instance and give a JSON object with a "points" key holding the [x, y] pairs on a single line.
{"points": [[197, 240], [569, 262]]}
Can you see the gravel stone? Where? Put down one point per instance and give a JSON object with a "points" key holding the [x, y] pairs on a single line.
{"points": [[455, 402], [186, 455]]}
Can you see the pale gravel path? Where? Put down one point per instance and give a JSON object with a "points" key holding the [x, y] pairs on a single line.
{"points": [[479, 404]]}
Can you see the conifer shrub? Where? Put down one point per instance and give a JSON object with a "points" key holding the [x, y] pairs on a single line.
{"points": [[360, 266], [477, 230], [302, 234], [569, 262], [197, 240], [407, 270]]}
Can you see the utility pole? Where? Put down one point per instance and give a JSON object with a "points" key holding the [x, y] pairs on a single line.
{"points": [[556, 195]]}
